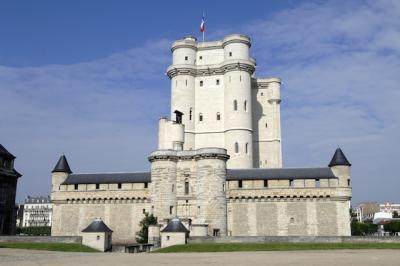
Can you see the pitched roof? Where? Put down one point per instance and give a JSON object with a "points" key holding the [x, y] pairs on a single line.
{"points": [[107, 178], [97, 226], [339, 159], [62, 166], [175, 225], [5, 153], [279, 173]]}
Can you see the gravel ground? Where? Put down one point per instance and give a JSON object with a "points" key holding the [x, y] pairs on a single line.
{"points": [[21, 257]]}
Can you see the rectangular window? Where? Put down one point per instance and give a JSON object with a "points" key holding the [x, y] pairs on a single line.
{"points": [[317, 183], [201, 83], [144, 211], [97, 186], [216, 232], [230, 53], [186, 58], [146, 185], [119, 185], [217, 82], [348, 182], [76, 186], [265, 183], [291, 182], [186, 188], [200, 57], [171, 209], [240, 183]]}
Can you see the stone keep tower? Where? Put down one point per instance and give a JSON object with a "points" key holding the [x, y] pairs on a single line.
{"points": [[224, 105]]}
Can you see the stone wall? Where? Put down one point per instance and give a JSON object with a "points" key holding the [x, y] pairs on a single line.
{"points": [[42, 239], [121, 217], [288, 217], [294, 239]]}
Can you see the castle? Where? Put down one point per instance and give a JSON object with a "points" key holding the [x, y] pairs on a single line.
{"points": [[218, 166]]}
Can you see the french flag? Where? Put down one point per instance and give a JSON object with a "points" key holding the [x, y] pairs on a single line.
{"points": [[202, 24]]}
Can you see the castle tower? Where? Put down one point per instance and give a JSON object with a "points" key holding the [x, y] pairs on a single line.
{"points": [[211, 198], [211, 84], [60, 173], [266, 123], [163, 183], [182, 74]]}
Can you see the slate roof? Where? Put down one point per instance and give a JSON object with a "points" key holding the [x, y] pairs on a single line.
{"points": [[107, 178], [279, 173], [97, 226], [5, 153], [175, 225], [339, 158], [62, 166]]}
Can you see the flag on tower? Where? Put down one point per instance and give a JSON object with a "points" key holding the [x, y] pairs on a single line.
{"points": [[202, 24]]}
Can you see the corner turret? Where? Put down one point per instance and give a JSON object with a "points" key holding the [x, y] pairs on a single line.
{"points": [[341, 168], [60, 173]]}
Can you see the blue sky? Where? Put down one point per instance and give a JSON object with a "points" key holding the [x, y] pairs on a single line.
{"points": [[88, 78]]}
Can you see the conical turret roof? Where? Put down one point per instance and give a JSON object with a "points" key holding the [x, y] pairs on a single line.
{"points": [[339, 159], [62, 166], [175, 225], [97, 226]]}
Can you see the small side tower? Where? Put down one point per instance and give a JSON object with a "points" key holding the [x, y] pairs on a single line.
{"points": [[341, 168], [60, 173]]}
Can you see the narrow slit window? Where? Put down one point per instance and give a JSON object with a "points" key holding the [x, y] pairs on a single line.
{"points": [[236, 147], [230, 53], [186, 58], [200, 117], [245, 105], [119, 185], [265, 183], [76, 186], [218, 116], [240, 183], [291, 182], [247, 148], [348, 182], [186, 82], [171, 209], [217, 82], [235, 105], [190, 114], [186, 187], [146, 185], [201, 83], [240, 78]]}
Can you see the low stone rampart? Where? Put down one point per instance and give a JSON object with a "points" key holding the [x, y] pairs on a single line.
{"points": [[42, 239], [295, 239]]}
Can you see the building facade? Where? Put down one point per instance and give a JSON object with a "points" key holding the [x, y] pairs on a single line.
{"points": [[218, 166], [8, 187], [37, 211]]}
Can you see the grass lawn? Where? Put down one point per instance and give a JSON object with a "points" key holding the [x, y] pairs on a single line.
{"points": [[70, 247], [230, 247]]}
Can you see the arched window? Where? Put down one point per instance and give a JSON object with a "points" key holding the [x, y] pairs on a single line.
{"points": [[245, 105], [186, 186], [247, 148], [200, 117], [236, 147], [218, 116], [190, 114], [235, 105]]}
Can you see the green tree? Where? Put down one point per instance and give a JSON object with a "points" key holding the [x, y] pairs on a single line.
{"points": [[148, 219], [396, 214], [362, 229], [392, 227]]}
